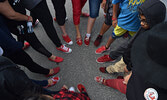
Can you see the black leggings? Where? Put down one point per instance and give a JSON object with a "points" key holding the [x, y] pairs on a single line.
{"points": [[22, 58], [41, 12], [29, 37], [60, 11]]}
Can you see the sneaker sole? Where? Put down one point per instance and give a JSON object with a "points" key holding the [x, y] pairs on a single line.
{"points": [[70, 43], [105, 62]]}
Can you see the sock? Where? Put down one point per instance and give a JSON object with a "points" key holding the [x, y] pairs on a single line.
{"points": [[87, 35]]}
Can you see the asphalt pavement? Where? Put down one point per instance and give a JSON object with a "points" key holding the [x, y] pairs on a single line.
{"points": [[80, 66]]}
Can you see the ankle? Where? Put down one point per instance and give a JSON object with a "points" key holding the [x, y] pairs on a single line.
{"points": [[88, 35], [106, 47]]}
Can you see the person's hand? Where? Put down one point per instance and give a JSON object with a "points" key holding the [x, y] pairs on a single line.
{"points": [[114, 23], [103, 4], [126, 78]]}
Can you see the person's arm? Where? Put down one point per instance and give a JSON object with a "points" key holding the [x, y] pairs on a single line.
{"points": [[103, 4], [7, 11], [114, 17]]}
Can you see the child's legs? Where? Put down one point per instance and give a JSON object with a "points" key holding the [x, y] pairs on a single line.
{"points": [[116, 84], [83, 3], [117, 67], [118, 32], [76, 4]]}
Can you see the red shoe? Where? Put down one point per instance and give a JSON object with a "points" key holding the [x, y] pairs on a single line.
{"points": [[26, 45], [99, 79], [81, 88], [57, 59], [54, 19], [79, 41], [36, 23], [98, 40], [84, 15], [67, 39], [101, 50], [104, 59], [65, 49], [54, 81], [56, 70], [103, 69], [87, 40]]}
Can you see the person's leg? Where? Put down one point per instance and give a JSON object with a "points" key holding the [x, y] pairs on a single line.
{"points": [[76, 4], [116, 84], [41, 11], [94, 6], [22, 58], [59, 6], [117, 67]]}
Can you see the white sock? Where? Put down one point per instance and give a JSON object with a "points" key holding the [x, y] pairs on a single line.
{"points": [[72, 89], [87, 35]]}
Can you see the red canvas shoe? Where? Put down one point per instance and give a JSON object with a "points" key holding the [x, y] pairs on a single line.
{"points": [[79, 41], [57, 59], [26, 45], [67, 39], [101, 50], [99, 79], [65, 49], [87, 40], [98, 40], [104, 59], [103, 69], [81, 88], [56, 70], [84, 15], [54, 81]]}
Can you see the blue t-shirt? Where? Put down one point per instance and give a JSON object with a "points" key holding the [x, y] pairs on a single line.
{"points": [[128, 17], [7, 42]]}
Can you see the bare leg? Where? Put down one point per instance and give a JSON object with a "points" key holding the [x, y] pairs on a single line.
{"points": [[110, 40], [104, 28], [63, 30], [78, 34], [90, 24]]}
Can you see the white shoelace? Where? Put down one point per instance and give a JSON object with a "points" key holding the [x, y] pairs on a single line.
{"points": [[65, 48]]}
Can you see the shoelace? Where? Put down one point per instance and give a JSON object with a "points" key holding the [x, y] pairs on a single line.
{"points": [[65, 48]]}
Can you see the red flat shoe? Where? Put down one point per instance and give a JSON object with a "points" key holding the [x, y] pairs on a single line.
{"points": [[57, 59], [56, 70], [79, 41], [26, 45], [55, 80]]}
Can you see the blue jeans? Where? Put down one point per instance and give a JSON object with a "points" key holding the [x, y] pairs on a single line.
{"points": [[94, 6]]}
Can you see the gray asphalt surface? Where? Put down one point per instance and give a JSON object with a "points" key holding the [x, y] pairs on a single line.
{"points": [[80, 66]]}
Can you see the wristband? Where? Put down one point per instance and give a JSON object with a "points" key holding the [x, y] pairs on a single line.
{"points": [[28, 18], [113, 19]]}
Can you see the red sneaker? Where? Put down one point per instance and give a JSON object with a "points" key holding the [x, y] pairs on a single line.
{"points": [[35, 24], [67, 39], [87, 40], [81, 88], [54, 81], [101, 50], [26, 45], [104, 59], [99, 79], [103, 69], [98, 40], [79, 41], [65, 49], [56, 70], [84, 15], [57, 59]]}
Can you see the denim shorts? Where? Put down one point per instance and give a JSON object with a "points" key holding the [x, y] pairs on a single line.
{"points": [[94, 6]]}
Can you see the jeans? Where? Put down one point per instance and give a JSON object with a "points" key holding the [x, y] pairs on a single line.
{"points": [[94, 6]]}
